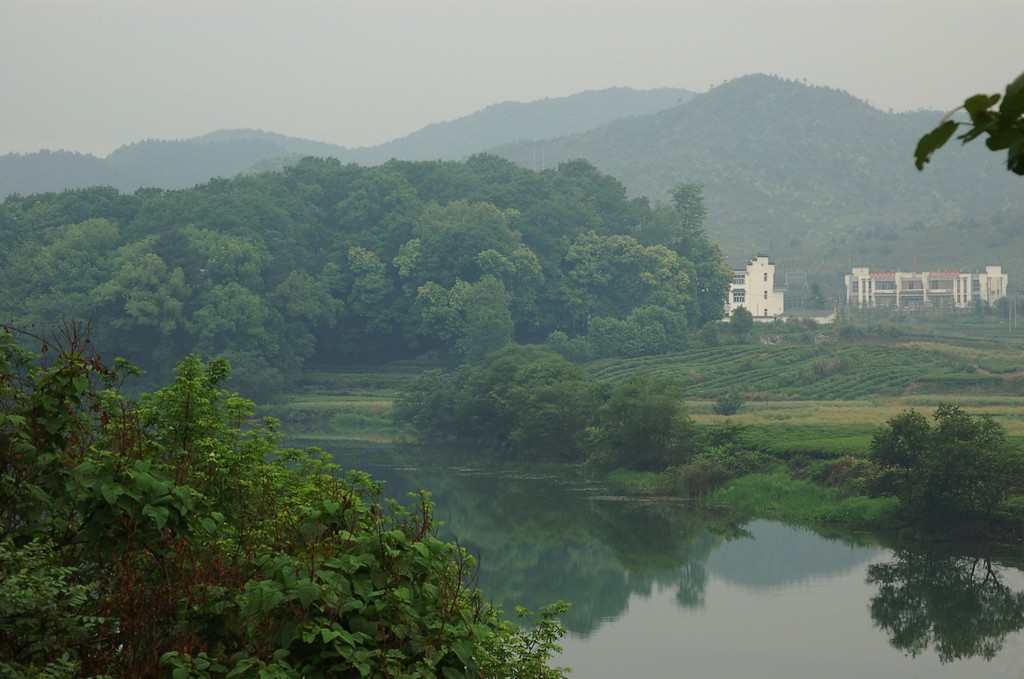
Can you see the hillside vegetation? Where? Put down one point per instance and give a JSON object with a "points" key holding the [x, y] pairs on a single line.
{"points": [[828, 372], [785, 165], [813, 176], [340, 264]]}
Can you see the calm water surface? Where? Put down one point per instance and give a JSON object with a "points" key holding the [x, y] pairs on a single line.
{"points": [[660, 590]]}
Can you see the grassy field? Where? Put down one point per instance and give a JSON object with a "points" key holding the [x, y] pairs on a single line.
{"points": [[803, 392], [851, 423], [345, 405]]}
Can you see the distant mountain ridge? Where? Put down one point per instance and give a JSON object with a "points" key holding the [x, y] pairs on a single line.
{"points": [[786, 167], [509, 122], [225, 153], [785, 164]]}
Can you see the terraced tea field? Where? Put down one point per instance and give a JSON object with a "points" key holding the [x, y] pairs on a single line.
{"points": [[832, 372]]}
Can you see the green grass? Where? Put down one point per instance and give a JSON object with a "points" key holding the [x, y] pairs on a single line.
{"points": [[785, 440], [642, 484], [353, 405], [778, 496]]}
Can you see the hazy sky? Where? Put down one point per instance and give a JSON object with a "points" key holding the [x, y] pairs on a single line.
{"points": [[90, 75]]}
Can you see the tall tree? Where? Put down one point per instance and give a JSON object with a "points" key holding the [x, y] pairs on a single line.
{"points": [[713, 275]]}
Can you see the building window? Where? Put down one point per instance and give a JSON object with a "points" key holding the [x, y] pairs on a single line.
{"points": [[765, 276], [739, 279], [739, 296], [766, 294]]}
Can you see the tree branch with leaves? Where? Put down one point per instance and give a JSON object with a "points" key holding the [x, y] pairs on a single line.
{"points": [[999, 117]]}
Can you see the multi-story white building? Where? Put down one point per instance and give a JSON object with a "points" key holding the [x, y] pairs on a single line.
{"points": [[753, 287], [900, 289]]}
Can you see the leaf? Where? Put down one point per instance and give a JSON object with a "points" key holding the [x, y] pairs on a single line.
{"points": [[1015, 156], [1013, 102], [933, 141], [111, 493], [464, 650], [80, 383], [158, 514], [980, 103], [308, 592], [262, 598]]}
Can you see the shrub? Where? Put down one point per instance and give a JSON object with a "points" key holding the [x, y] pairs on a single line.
{"points": [[728, 404], [160, 537]]}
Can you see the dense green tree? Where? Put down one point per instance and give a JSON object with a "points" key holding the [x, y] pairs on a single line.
{"points": [[55, 275], [741, 323], [302, 297], [377, 213], [959, 468], [341, 263], [642, 425], [615, 274], [532, 403], [451, 239], [144, 301], [210, 257], [712, 276], [487, 324], [521, 274], [688, 199]]}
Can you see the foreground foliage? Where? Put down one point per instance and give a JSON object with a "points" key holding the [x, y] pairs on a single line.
{"points": [[1003, 125], [169, 536]]}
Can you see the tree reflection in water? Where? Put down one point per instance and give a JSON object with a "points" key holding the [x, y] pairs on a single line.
{"points": [[957, 604]]}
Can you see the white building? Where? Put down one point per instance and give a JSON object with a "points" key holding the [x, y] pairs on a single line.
{"points": [[753, 287], [900, 289]]}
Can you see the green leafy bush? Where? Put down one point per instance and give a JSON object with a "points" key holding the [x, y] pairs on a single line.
{"points": [[174, 535], [728, 404]]}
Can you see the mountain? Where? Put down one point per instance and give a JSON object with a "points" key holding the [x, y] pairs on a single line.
{"points": [[785, 165], [225, 153], [811, 175], [53, 171], [509, 122], [150, 163]]}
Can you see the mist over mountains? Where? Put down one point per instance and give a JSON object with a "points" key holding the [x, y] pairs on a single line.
{"points": [[785, 166], [225, 153]]}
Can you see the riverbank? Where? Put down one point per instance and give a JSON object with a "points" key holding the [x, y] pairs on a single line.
{"points": [[773, 460]]}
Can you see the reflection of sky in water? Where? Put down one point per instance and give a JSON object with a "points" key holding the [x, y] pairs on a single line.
{"points": [[813, 622], [780, 555]]}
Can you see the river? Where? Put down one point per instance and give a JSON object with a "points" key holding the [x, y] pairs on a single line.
{"points": [[661, 590]]}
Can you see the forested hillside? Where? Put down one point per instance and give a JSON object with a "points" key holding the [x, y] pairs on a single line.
{"points": [[790, 167], [340, 263], [808, 171], [179, 164]]}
